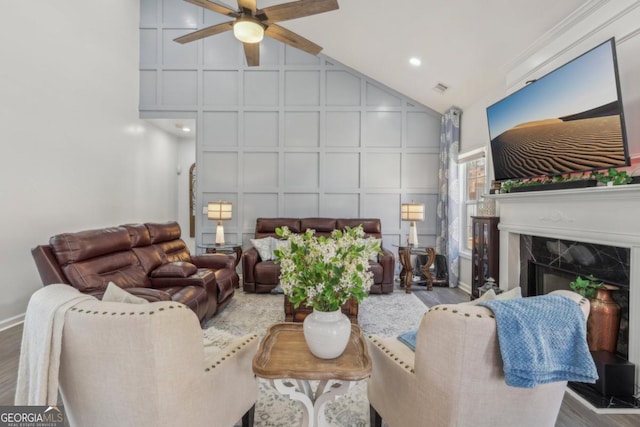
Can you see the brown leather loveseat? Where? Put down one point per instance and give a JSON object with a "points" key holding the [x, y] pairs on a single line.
{"points": [[148, 260], [262, 276]]}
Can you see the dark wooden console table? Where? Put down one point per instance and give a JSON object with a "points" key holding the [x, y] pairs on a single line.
{"points": [[406, 275]]}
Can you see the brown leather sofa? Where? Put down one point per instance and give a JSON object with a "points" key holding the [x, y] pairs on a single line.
{"points": [[148, 260], [263, 276]]}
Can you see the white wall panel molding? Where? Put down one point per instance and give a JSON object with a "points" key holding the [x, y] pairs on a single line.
{"points": [[299, 135]]}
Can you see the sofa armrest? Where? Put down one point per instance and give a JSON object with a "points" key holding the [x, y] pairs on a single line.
{"points": [[388, 262], [249, 260], [392, 374], [47, 265], [231, 368], [174, 269], [393, 351], [213, 261], [584, 304]]}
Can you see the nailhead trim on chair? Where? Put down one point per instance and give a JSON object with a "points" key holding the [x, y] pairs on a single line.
{"points": [[402, 363], [456, 311], [232, 352], [114, 313]]}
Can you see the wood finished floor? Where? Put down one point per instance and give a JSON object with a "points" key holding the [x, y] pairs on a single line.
{"points": [[572, 412]]}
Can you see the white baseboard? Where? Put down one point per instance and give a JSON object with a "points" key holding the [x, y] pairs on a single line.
{"points": [[465, 287], [11, 322]]}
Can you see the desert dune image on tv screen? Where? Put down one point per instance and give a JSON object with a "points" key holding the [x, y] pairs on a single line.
{"points": [[568, 121]]}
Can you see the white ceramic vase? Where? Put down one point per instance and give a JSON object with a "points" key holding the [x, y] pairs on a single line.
{"points": [[327, 333]]}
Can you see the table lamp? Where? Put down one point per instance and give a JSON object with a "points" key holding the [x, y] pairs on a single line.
{"points": [[412, 212], [219, 211]]}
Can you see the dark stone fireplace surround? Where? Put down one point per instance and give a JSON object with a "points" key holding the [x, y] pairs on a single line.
{"points": [[548, 264]]}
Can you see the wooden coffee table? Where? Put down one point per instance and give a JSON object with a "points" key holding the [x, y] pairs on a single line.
{"points": [[285, 360]]}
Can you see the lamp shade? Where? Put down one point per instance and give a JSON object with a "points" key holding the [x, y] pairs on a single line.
{"points": [[412, 212], [248, 30], [219, 210]]}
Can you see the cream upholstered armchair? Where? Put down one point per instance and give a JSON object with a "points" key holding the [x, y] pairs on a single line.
{"points": [[455, 377], [146, 365]]}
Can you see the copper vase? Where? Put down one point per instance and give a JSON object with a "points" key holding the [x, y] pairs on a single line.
{"points": [[604, 321]]}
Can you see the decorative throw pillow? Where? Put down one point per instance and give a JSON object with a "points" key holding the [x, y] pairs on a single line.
{"points": [[115, 293], [278, 244], [374, 257], [263, 246], [175, 269]]}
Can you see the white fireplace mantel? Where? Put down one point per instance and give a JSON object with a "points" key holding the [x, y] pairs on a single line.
{"points": [[601, 215]]}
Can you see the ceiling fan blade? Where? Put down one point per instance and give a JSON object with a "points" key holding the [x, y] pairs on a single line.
{"points": [[292, 39], [248, 5], [205, 32], [297, 9], [216, 7], [252, 53]]}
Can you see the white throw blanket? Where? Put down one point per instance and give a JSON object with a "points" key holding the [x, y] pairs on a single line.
{"points": [[41, 344]]}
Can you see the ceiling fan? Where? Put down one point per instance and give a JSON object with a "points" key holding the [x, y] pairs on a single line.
{"points": [[252, 24]]}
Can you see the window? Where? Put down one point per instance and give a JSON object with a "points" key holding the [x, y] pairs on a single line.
{"points": [[473, 183]]}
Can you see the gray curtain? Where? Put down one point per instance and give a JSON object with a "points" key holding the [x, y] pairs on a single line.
{"points": [[447, 215]]}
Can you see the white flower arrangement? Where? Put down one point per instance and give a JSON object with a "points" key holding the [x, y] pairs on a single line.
{"points": [[325, 272]]}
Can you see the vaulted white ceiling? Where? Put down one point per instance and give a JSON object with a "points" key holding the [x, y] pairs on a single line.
{"points": [[466, 45]]}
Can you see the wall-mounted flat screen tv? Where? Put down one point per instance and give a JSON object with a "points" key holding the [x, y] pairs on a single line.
{"points": [[570, 120]]}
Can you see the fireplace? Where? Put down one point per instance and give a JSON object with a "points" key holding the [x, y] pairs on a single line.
{"points": [[591, 218], [548, 264]]}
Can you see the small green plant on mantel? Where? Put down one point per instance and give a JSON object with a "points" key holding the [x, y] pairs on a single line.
{"points": [[509, 184], [615, 176], [586, 286]]}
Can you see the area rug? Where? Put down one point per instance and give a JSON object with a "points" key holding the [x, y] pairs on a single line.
{"points": [[385, 315]]}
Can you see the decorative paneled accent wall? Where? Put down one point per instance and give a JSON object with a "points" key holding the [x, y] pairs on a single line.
{"points": [[298, 136]]}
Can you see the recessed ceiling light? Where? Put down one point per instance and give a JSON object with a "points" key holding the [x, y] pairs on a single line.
{"points": [[186, 129], [416, 62]]}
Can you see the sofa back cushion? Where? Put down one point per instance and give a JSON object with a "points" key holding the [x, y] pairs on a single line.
{"points": [[165, 238], [91, 259], [74, 247], [322, 226], [163, 232], [174, 251], [150, 257], [139, 235], [370, 226], [266, 227]]}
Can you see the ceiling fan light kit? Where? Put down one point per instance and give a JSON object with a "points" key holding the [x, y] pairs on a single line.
{"points": [[248, 29], [252, 24]]}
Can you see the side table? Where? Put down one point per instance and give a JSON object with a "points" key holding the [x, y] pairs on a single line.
{"points": [[406, 275], [212, 248], [285, 360]]}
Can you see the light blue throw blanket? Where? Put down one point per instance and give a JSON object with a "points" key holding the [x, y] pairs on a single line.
{"points": [[542, 339]]}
